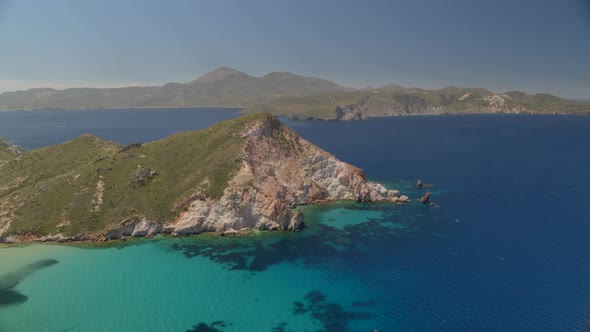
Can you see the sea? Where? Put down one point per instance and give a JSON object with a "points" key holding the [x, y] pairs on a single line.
{"points": [[505, 246]]}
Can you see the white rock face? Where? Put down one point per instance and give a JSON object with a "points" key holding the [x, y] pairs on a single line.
{"points": [[279, 171], [146, 228]]}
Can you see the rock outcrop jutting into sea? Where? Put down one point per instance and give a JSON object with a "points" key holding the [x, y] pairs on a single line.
{"points": [[247, 173]]}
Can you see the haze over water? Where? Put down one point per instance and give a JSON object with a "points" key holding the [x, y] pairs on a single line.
{"points": [[504, 249]]}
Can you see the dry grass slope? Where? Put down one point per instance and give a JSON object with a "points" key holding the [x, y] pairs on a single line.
{"points": [[89, 184]]}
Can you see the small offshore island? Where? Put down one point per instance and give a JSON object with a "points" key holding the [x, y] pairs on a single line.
{"points": [[237, 175]]}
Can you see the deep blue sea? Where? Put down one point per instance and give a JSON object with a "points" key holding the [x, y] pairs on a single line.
{"points": [[34, 129], [505, 248]]}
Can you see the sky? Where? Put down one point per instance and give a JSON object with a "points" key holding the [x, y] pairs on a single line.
{"points": [[528, 45]]}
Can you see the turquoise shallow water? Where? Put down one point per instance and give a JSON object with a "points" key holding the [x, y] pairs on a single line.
{"points": [[150, 288], [251, 284]]}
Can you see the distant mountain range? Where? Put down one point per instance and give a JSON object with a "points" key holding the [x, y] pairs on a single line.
{"points": [[298, 96], [223, 87], [396, 101]]}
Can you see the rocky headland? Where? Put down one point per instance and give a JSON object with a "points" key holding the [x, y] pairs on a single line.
{"points": [[238, 175], [360, 105], [457, 102]]}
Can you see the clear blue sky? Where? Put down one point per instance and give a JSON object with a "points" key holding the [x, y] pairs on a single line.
{"points": [[529, 45]]}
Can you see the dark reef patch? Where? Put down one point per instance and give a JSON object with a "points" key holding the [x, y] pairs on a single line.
{"points": [[321, 246], [317, 245], [299, 308], [330, 315], [214, 327], [8, 296], [280, 327]]}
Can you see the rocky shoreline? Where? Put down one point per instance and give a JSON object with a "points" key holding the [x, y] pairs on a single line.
{"points": [[148, 229]]}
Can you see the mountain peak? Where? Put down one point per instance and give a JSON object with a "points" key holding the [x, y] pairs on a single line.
{"points": [[221, 74], [225, 70], [281, 74]]}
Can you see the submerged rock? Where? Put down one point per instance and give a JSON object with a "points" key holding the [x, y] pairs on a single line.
{"points": [[421, 184], [10, 296]]}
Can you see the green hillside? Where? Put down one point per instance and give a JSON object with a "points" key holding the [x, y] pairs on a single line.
{"points": [[87, 184]]}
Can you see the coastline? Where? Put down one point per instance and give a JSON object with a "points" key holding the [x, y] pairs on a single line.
{"points": [[311, 119], [241, 109], [127, 235]]}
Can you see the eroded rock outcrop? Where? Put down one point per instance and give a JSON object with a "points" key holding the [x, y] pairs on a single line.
{"points": [[143, 176], [280, 170], [375, 106]]}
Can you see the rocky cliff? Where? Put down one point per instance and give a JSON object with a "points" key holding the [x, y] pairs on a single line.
{"points": [[369, 106], [272, 170], [279, 170]]}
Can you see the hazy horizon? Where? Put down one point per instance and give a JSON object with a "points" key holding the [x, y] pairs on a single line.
{"points": [[531, 46], [61, 86]]}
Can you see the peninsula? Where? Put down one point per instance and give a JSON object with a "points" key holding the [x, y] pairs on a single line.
{"points": [[299, 97], [247, 173], [398, 101]]}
